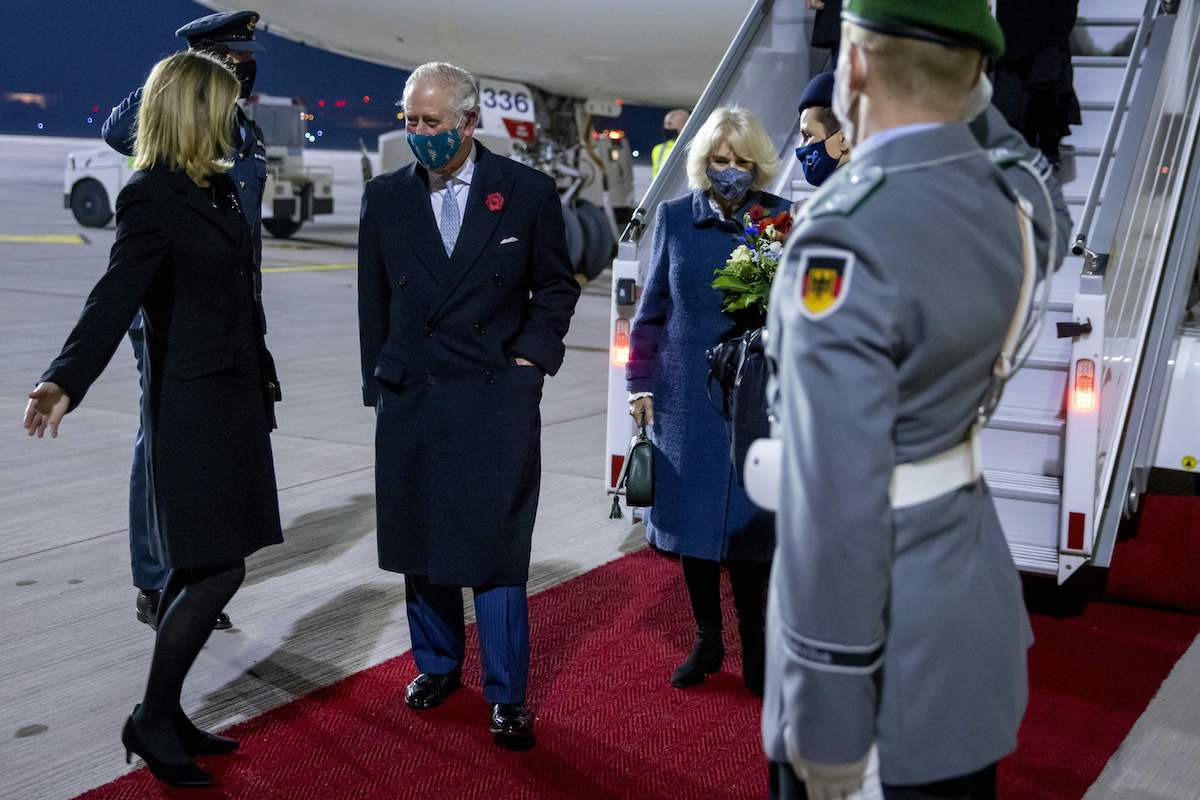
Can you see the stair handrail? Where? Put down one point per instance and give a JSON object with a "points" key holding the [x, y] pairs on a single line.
{"points": [[709, 98], [1096, 252]]}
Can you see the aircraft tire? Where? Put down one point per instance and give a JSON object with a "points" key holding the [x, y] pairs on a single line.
{"points": [[574, 238], [599, 245]]}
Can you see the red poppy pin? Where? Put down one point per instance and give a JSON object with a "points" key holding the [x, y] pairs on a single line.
{"points": [[495, 201]]}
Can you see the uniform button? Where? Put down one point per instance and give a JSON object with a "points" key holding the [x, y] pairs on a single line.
{"points": [[242, 156], [243, 183], [402, 280], [499, 279], [428, 331]]}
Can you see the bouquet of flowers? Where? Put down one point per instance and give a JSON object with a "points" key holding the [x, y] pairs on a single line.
{"points": [[750, 269]]}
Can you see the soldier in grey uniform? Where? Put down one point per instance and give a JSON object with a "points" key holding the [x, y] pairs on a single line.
{"points": [[897, 632]]}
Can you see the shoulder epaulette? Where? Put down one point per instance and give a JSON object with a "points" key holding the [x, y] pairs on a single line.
{"points": [[847, 194], [1002, 157]]}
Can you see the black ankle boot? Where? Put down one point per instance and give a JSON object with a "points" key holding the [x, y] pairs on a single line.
{"points": [[201, 743], [754, 657], [707, 654], [185, 774]]}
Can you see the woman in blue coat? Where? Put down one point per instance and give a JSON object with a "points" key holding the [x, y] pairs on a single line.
{"points": [[700, 511]]}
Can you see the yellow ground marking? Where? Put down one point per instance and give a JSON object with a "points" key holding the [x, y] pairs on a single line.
{"points": [[44, 238], [311, 268]]}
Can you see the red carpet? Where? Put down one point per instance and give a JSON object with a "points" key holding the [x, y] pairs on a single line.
{"points": [[610, 726], [1156, 564]]}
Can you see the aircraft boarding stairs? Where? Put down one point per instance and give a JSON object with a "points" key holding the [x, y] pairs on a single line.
{"points": [[1060, 459]]}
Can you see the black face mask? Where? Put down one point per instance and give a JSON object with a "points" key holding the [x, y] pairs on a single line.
{"points": [[245, 71], [669, 134]]}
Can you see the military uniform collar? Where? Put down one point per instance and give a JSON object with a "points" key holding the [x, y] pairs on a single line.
{"points": [[913, 144]]}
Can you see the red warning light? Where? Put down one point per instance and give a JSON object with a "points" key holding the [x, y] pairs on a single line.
{"points": [[620, 345], [320, 104], [1084, 395], [340, 104], [95, 109], [366, 98]]}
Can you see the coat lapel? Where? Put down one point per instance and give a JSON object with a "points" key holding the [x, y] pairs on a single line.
{"points": [[419, 223], [199, 202], [479, 223]]}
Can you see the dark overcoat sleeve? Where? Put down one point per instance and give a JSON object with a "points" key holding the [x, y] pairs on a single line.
{"points": [[374, 292], [140, 250], [554, 290], [653, 311], [118, 128], [992, 131]]}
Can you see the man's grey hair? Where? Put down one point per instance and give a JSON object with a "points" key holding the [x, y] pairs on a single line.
{"points": [[462, 86]]}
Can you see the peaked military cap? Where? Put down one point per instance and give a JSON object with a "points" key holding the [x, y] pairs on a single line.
{"points": [[230, 29], [819, 92], [954, 23]]}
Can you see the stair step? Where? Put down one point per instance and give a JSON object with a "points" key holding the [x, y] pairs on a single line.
{"points": [[1042, 357], [1100, 62], [1020, 486], [1108, 22], [1026, 420], [1034, 558]]}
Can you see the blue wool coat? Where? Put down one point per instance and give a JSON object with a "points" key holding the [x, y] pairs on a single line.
{"points": [[699, 508]]}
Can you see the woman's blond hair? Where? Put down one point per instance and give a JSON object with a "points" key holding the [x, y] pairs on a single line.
{"points": [[186, 115], [741, 130]]}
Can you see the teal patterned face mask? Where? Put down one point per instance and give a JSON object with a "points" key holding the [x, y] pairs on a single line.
{"points": [[434, 150]]}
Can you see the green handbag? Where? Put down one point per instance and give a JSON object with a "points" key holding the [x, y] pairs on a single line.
{"points": [[637, 475]]}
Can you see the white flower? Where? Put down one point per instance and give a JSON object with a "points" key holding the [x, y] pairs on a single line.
{"points": [[742, 253], [775, 248], [769, 232]]}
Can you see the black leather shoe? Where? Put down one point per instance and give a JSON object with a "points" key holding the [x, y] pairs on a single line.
{"points": [[223, 622], [187, 774], [512, 726], [707, 655], [198, 742], [429, 690], [147, 607]]}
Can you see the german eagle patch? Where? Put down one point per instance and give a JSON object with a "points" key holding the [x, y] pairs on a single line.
{"points": [[824, 281]]}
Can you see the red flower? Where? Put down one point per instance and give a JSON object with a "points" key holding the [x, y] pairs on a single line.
{"points": [[495, 201], [757, 212], [783, 223]]}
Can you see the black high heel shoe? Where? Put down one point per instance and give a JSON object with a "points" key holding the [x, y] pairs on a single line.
{"points": [[186, 775], [201, 743]]}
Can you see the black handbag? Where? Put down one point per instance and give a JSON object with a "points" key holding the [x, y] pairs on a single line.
{"points": [[637, 476]]}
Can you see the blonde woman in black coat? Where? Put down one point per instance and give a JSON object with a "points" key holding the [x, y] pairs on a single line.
{"points": [[185, 256]]}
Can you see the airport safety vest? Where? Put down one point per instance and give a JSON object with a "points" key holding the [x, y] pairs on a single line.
{"points": [[659, 154]]}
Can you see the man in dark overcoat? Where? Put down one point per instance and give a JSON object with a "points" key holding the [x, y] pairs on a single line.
{"points": [[465, 294]]}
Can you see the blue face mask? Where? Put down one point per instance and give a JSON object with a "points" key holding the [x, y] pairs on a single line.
{"points": [[730, 183], [816, 163], [435, 150]]}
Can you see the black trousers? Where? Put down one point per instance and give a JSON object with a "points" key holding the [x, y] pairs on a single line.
{"points": [[979, 785]]}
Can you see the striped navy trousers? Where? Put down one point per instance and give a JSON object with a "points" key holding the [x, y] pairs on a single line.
{"points": [[438, 630]]}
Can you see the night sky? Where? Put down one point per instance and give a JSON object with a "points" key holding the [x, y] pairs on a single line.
{"points": [[89, 54]]}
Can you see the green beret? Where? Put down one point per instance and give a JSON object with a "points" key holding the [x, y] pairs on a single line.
{"points": [[954, 23]]}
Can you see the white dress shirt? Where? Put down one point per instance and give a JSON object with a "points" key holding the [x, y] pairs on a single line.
{"points": [[459, 183]]}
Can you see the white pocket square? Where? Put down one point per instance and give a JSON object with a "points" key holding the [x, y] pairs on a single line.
{"points": [[509, 240]]}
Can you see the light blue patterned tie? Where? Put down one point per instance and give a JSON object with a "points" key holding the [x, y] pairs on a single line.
{"points": [[451, 220]]}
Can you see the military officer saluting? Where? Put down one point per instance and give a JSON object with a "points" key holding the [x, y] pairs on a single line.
{"points": [[897, 632], [229, 35]]}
